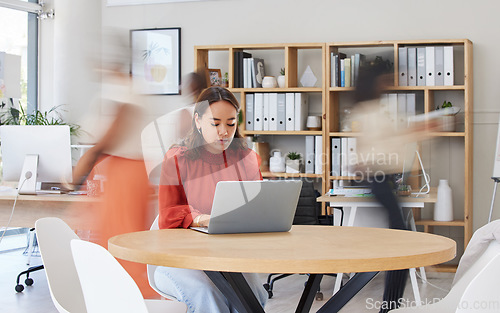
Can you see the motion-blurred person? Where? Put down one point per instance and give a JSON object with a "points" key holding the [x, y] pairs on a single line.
{"points": [[171, 128], [213, 151], [381, 152], [124, 202]]}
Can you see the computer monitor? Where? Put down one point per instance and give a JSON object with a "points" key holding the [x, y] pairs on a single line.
{"points": [[35, 154]]}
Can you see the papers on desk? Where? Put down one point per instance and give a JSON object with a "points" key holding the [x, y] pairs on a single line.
{"points": [[351, 191]]}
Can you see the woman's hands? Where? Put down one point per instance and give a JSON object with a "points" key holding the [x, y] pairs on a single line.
{"points": [[201, 220]]}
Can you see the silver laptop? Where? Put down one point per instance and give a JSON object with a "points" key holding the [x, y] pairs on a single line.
{"points": [[253, 207]]}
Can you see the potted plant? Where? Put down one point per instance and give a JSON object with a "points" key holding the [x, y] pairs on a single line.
{"points": [[449, 119], [281, 78], [293, 162], [225, 80], [19, 117]]}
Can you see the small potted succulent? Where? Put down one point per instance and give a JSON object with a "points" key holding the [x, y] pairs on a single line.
{"points": [[281, 78], [293, 162], [225, 80]]}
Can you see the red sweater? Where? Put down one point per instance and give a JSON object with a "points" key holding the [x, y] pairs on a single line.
{"points": [[187, 186]]}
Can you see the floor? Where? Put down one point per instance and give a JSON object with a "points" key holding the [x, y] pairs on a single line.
{"points": [[287, 292]]}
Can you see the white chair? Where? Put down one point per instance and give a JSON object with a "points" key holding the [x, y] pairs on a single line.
{"points": [[152, 268], [54, 238], [476, 288], [107, 287]]}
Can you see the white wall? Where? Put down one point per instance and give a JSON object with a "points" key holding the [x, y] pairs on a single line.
{"points": [[276, 21]]}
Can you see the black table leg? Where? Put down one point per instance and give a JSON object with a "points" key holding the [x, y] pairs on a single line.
{"points": [[310, 290], [347, 292], [237, 291]]}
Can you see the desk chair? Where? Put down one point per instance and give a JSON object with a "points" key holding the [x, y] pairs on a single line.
{"points": [[152, 268], [478, 285], [307, 213], [28, 281], [54, 237], [107, 287]]}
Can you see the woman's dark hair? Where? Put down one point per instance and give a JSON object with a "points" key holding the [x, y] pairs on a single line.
{"points": [[371, 79], [194, 140]]}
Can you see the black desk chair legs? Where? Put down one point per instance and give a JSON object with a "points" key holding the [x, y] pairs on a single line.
{"points": [[28, 281], [307, 213], [270, 285]]}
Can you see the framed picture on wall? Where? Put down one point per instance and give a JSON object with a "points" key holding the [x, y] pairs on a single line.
{"points": [[156, 60], [214, 76]]}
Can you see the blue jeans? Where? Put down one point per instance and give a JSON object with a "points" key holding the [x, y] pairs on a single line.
{"points": [[198, 292]]}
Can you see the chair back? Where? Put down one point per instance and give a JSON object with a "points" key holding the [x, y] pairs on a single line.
{"points": [[106, 286], [307, 206], [453, 298], [152, 268], [481, 295], [54, 237]]}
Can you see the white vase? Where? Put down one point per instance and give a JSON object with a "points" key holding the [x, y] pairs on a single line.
{"points": [[292, 166], [269, 82], [277, 163], [443, 209], [281, 81]]}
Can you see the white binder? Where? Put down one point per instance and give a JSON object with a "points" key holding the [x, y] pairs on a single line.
{"points": [[301, 110], [412, 66], [347, 72], [273, 111], [411, 105], [401, 111], [290, 111], [266, 112], [258, 111], [439, 65], [318, 154], [333, 64], [403, 66], [336, 152], [246, 75], [352, 156], [430, 79], [421, 70], [448, 66], [342, 73], [249, 118], [281, 112], [392, 108], [310, 156], [343, 157]]}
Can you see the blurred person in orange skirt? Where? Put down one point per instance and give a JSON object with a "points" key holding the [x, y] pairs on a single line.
{"points": [[117, 156]]}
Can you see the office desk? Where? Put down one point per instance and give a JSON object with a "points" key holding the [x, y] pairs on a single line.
{"points": [[305, 249], [30, 208], [357, 202], [366, 202]]}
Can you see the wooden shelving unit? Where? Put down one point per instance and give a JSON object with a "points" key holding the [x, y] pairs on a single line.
{"points": [[463, 86], [332, 97], [289, 58]]}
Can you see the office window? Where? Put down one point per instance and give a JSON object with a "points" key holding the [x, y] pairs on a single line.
{"points": [[19, 36]]}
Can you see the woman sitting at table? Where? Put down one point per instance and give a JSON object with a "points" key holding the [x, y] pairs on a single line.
{"points": [[213, 151]]}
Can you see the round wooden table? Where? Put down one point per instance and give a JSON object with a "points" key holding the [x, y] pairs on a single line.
{"points": [[305, 249]]}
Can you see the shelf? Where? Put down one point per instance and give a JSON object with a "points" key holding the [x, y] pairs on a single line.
{"points": [[448, 134], [290, 175], [344, 134], [294, 89], [436, 223], [444, 268], [344, 178], [405, 88], [284, 132]]}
